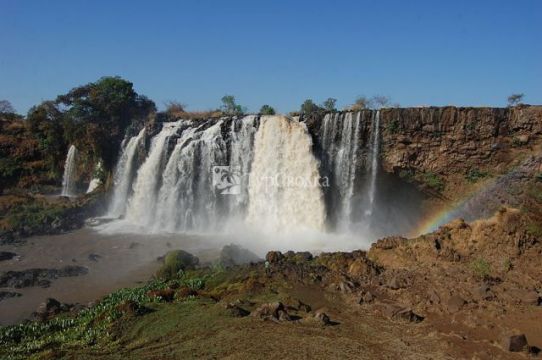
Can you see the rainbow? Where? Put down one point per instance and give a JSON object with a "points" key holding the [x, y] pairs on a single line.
{"points": [[450, 212]]}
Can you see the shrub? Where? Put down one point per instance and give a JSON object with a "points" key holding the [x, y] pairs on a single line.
{"points": [[433, 181], [473, 175], [481, 268], [175, 262], [267, 110], [393, 127], [329, 104], [534, 230]]}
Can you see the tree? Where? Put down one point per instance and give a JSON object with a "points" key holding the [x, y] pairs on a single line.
{"points": [[230, 107], [267, 110], [309, 107], [380, 101], [515, 99], [6, 107], [361, 103], [175, 108], [97, 115], [329, 104]]}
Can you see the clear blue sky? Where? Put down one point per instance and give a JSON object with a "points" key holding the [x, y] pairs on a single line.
{"points": [[276, 52]]}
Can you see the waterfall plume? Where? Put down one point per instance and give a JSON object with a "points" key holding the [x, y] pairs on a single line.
{"points": [[70, 168]]}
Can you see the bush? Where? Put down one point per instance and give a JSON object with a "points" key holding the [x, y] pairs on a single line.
{"points": [[433, 181], [267, 110], [175, 262], [473, 175], [481, 268]]}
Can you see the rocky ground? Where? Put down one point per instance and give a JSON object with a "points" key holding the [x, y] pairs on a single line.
{"points": [[465, 291]]}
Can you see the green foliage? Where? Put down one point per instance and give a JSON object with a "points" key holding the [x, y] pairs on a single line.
{"points": [[393, 127], [230, 107], [330, 105], [309, 107], [433, 181], [33, 215], [267, 110], [175, 263], [89, 327], [535, 230], [473, 175], [481, 268]]}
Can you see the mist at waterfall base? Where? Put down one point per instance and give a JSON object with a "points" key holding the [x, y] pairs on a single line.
{"points": [[329, 196]]}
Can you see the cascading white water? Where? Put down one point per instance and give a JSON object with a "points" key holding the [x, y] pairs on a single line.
{"points": [[186, 199], [95, 182], [340, 141], [142, 205], [284, 189], [242, 135], [70, 168], [124, 174], [375, 148]]}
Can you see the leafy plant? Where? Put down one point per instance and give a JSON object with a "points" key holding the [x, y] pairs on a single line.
{"points": [[481, 268], [473, 175], [267, 110], [433, 181]]}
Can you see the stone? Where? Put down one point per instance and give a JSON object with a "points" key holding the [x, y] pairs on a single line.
{"points": [[166, 295], [274, 257], [232, 254], [455, 303], [398, 312], [6, 255], [515, 343], [236, 311], [322, 318], [366, 297], [268, 311], [94, 257]]}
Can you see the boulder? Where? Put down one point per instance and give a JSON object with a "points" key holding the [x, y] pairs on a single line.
{"points": [[322, 318], [270, 311], [6, 255], [398, 312], [232, 254], [175, 261], [274, 257], [515, 343], [455, 303], [236, 311]]}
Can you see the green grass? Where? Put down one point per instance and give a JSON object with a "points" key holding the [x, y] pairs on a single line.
{"points": [[433, 181], [481, 268], [473, 175]]}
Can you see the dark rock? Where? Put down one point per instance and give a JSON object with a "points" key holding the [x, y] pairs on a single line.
{"points": [[389, 243], [268, 311], [166, 295], [455, 303], [6, 255], [274, 257], [8, 294], [237, 311], [283, 316], [515, 343], [38, 277], [366, 297], [231, 255], [94, 257], [433, 296], [398, 312], [322, 318], [185, 292], [50, 308]]}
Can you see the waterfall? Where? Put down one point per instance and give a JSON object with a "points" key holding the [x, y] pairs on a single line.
{"points": [[70, 168], [124, 174], [242, 144], [284, 190], [96, 180], [186, 199], [375, 145], [142, 204], [340, 142]]}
